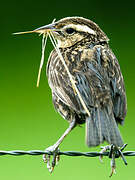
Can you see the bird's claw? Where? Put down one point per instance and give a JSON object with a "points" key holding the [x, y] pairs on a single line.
{"points": [[104, 149], [113, 171], [113, 165], [114, 152], [47, 157]]}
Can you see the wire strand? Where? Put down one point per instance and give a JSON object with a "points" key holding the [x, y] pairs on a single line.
{"points": [[66, 153]]}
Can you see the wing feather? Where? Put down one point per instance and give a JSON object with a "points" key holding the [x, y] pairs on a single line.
{"points": [[100, 83]]}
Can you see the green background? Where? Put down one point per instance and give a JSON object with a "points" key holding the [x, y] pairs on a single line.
{"points": [[28, 120]]}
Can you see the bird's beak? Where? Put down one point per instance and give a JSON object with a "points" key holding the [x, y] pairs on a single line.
{"points": [[41, 30]]}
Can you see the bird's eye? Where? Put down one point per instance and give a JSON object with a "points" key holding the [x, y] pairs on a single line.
{"points": [[70, 30]]}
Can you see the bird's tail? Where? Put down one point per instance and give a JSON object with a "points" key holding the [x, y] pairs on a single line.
{"points": [[100, 126]]}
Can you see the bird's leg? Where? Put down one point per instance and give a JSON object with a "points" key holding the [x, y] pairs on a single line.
{"points": [[54, 150], [115, 152]]}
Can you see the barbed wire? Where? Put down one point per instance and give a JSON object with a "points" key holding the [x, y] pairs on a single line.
{"points": [[111, 151], [66, 153], [118, 153], [106, 151]]}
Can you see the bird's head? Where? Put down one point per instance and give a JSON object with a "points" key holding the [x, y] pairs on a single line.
{"points": [[71, 30]]}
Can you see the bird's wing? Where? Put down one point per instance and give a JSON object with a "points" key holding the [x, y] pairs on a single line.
{"points": [[100, 84], [98, 80], [117, 88], [62, 88], [102, 123]]}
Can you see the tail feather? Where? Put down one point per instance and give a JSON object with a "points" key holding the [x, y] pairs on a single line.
{"points": [[100, 126]]}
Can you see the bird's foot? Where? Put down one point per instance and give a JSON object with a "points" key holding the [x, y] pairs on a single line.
{"points": [[52, 150], [114, 152], [104, 149]]}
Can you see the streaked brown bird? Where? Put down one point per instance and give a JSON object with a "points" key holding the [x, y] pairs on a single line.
{"points": [[96, 71], [98, 79]]}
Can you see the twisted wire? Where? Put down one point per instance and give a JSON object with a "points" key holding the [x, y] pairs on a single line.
{"points": [[66, 153]]}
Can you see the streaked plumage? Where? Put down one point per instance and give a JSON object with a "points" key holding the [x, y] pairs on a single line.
{"points": [[98, 78], [86, 82]]}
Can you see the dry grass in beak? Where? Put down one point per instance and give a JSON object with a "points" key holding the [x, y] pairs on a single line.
{"points": [[44, 40], [46, 33], [25, 32]]}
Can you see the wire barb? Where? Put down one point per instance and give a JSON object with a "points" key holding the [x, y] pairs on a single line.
{"points": [[111, 154], [66, 153]]}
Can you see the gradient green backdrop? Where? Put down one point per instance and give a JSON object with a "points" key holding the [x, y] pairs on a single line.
{"points": [[27, 117]]}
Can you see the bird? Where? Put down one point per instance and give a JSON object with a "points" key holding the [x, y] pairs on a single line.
{"points": [[96, 95]]}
